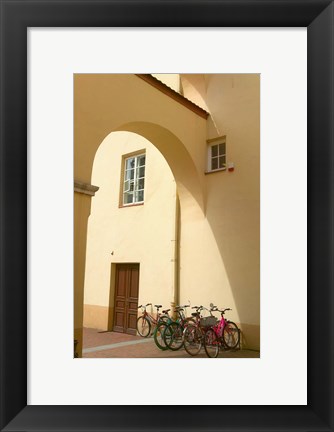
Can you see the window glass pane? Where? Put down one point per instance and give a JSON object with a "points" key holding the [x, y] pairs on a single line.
{"points": [[130, 163], [140, 183], [141, 160], [214, 151], [222, 161], [141, 172], [126, 186], [222, 149], [129, 174], [214, 163], [128, 198], [140, 196]]}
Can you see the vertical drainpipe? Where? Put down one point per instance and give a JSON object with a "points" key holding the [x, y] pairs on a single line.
{"points": [[176, 255]]}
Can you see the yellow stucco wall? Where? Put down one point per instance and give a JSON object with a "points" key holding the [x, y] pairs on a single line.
{"points": [[227, 259]]}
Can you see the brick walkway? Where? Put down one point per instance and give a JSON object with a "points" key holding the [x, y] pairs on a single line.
{"points": [[98, 344]]}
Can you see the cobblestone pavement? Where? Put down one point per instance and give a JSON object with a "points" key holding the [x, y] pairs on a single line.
{"points": [[99, 344]]}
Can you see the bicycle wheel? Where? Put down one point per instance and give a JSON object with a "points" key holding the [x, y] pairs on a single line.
{"points": [[211, 343], [192, 340], [159, 336], [143, 326], [231, 335], [173, 336]]}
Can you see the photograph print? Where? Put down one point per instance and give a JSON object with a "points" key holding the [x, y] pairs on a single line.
{"points": [[167, 215]]}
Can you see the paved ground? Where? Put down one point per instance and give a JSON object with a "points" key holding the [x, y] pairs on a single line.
{"points": [[98, 344]]}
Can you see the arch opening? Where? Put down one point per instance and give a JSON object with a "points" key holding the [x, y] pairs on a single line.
{"points": [[145, 234]]}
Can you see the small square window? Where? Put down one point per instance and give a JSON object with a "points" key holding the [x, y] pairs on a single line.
{"points": [[217, 156]]}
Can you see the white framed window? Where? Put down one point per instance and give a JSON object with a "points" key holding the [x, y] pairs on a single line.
{"points": [[134, 179], [217, 155]]}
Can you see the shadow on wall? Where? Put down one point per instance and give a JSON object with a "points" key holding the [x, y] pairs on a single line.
{"points": [[189, 184], [237, 234]]}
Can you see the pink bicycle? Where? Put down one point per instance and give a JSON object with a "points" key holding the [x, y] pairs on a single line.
{"points": [[224, 334]]}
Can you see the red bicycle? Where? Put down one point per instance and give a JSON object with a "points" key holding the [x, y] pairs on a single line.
{"points": [[225, 334], [193, 334], [146, 322]]}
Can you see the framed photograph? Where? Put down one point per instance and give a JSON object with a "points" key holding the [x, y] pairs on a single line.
{"points": [[194, 394]]}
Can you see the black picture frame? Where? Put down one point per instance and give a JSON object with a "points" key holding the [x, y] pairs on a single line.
{"points": [[16, 17]]}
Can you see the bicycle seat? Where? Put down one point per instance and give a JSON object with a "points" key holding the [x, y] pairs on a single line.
{"points": [[195, 314], [158, 306], [165, 311]]}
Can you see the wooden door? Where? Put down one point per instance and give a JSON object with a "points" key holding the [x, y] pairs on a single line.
{"points": [[126, 298]]}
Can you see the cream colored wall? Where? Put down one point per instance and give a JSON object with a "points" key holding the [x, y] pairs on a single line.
{"points": [[193, 87], [142, 234], [172, 80], [225, 254]]}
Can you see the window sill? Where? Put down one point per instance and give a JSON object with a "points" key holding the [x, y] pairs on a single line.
{"points": [[215, 171], [130, 205]]}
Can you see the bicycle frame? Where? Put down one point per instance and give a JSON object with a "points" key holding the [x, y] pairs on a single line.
{"points": [[150, 317], [219, 327]]}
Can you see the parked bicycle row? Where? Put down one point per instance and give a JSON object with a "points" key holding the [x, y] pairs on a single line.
{"points": [[202, 328]]}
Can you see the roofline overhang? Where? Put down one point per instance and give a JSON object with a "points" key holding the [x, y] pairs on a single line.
{"points": [[154, 82]]}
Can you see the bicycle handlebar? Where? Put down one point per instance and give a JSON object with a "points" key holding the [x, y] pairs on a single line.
{"points": [[177, 308], [215, 309], [198, 308], [224, 310], [145, 306]]}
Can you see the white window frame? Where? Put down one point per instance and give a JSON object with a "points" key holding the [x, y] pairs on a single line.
{"points": [[135, 180], [215, 143]]}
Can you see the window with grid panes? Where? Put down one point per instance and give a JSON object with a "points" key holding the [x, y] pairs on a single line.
{"points": [[217, 156], [134, 179]]}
